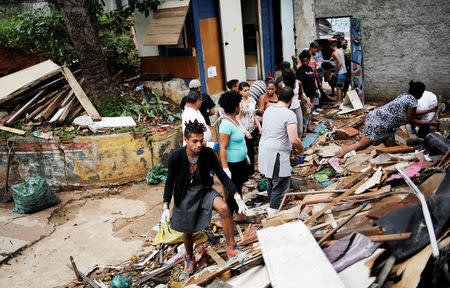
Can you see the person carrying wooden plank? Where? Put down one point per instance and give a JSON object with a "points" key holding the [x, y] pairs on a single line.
{"points": [[190, 183]]}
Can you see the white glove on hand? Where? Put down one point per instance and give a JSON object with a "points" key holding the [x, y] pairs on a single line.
{"points": [[242, 208], [165, 217], [227, 171]]}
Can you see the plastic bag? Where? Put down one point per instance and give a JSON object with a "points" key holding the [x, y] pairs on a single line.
{"points": [[157, 174], [167, 235], [33, 195]]}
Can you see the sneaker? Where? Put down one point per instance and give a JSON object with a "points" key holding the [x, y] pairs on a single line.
{"points": [[189, 264], [234, 250]]}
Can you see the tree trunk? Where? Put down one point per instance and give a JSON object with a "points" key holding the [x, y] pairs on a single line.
{"points": [[87, 45]]}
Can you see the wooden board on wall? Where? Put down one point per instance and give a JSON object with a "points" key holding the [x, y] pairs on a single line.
{"points": [[179, 66], [212, 54], [166, 26]]}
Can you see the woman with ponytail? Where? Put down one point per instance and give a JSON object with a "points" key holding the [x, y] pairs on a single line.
{"points": [[381, 123]]}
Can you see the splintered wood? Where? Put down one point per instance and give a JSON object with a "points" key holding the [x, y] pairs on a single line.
{"points": [[43, 92]]}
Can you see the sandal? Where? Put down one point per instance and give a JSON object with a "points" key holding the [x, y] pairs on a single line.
{"points": [[189, 265], [233, 251]]}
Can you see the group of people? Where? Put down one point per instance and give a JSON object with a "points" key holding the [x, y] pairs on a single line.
{"points": [[275, 111]]}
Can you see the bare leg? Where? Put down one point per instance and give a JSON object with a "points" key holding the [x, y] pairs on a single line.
{"points": [[188, 240], [361, 144], [227, 220]]}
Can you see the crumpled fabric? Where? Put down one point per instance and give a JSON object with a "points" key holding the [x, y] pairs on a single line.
{"points": [[349, 250]]}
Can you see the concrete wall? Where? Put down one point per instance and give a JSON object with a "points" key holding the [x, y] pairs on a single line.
{"points": [[88, 161], [402, 40], [305, 24]]}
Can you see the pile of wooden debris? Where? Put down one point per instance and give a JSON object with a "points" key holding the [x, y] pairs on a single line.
{"points": [[42, 93], [365, 226]]}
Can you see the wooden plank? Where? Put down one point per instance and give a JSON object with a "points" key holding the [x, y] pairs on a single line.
{"points": [[66, 111], [19, 112], [41, 107], [52, 106], [379, 238], [12, 130], [293, 258], [79, 93], [74, 112], [15, 83], [216, 257], [57, 115], [396, 149], [205, 278], [337, 199], [166, 26]]}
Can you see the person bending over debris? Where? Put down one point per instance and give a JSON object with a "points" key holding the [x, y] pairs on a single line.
{"points": [[381, 123], [279, 135], [189, 181]]}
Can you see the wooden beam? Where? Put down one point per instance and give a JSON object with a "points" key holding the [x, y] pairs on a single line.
{"points": [[19, 112], [66, 111], [216, 257], [12, 130], [79, 93], [14, 84], [336, 200], [52, 106], [40, 108], [379, 238], [396, 149]]}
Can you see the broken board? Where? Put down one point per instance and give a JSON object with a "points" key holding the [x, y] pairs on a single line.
{"points": [[351, 103], [15, 83], [79, 93], [293, 258]]}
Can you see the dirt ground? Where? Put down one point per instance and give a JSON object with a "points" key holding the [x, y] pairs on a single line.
{"points": [[105, 226]]}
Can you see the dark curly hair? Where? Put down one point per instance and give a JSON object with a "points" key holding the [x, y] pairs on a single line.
{"points": [[304, 54], [193, 127], [416, 88], [229, 101]]}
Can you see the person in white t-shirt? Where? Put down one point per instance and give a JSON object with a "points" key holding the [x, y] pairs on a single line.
{"points": [[191, 112], [426, 109]]}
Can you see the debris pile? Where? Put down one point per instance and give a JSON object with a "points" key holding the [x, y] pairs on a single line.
{"points": [[42, 93], [377, 218]]}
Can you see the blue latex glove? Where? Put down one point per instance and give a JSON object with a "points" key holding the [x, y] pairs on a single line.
{"points": [[213, 145]]}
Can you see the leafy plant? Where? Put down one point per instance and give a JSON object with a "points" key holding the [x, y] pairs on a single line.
{"points": [[151, 106]]}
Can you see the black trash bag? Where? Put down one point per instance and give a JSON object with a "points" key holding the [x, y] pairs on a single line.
{"points": [[410, 219], [32, 195]]}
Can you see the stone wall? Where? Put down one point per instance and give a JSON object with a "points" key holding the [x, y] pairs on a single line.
{"points": [[402, 40]]}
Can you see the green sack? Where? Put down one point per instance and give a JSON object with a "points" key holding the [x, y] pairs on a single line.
{"points": [[33, 195], [157, 174]]}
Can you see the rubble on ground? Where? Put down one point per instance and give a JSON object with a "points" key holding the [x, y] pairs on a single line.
{"points": [[356, 223]]}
